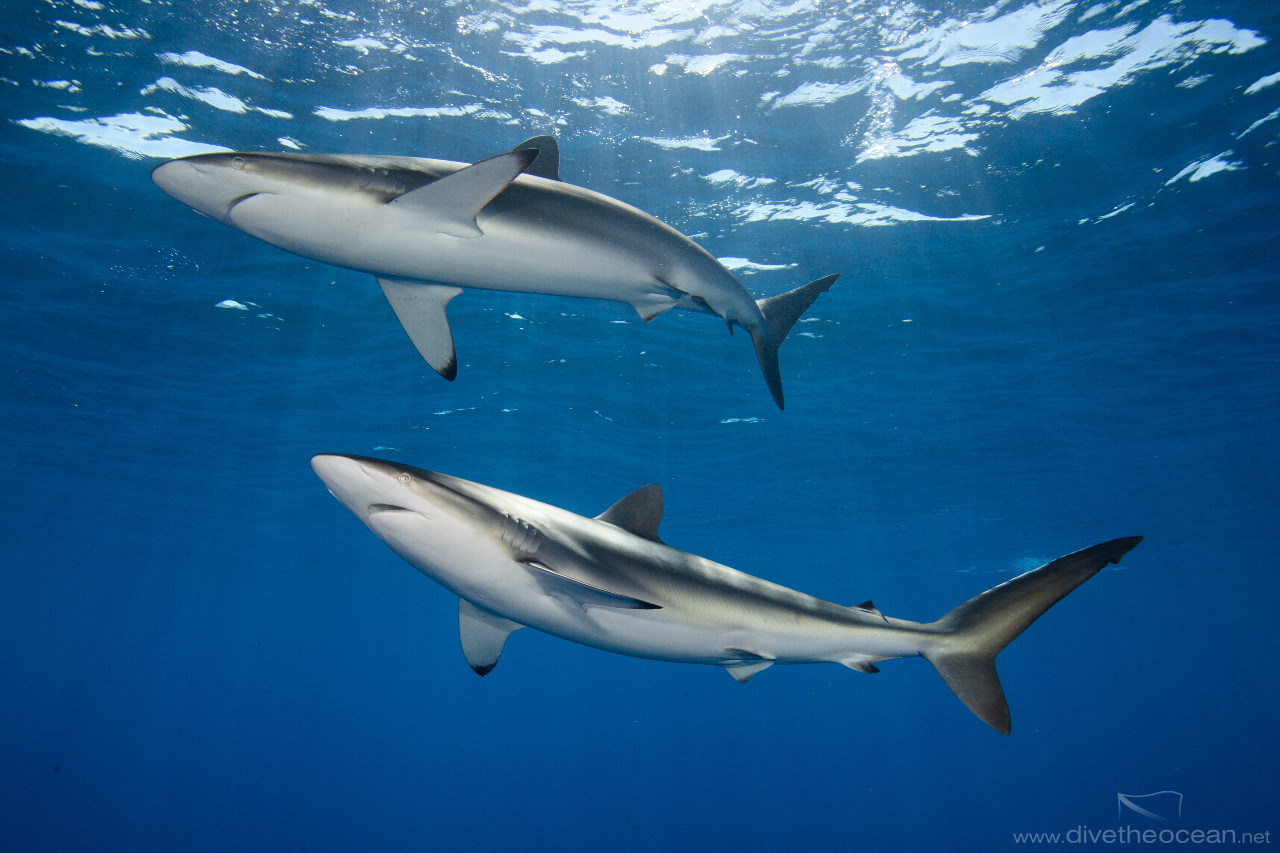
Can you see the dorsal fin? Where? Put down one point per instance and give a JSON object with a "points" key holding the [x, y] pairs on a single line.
{"points": [[639, 512], [868, 607], [547, 163]]}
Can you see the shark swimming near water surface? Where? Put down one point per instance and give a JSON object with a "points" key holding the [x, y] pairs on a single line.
{"points": [[612, 583], [426, 229]]}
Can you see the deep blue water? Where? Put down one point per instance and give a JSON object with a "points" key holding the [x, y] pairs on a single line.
{"points": [[1058, 322]]}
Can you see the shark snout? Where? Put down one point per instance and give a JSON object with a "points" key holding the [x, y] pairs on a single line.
{"points": [[178, 178], [334, 468], [369, 487], [357, 486], [209, 184]]}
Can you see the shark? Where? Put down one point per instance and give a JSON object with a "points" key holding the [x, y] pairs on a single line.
{"points": [[610, 582], [427, 229]]}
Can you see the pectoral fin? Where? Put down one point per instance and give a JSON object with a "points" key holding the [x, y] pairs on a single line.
{"points": [[483, 635], [452, 203], [581, 594], [420, 308]]}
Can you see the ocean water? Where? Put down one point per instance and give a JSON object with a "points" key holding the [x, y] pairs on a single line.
{"points": [[1057, 226]]}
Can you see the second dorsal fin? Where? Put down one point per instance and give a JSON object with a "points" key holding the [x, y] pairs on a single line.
{"points": [[868, 607]]}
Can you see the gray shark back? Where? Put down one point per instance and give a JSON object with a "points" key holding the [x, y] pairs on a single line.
{"points": [[505, 223]]}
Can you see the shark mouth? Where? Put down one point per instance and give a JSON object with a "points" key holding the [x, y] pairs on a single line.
{"points": [[236, 201], [374, 509]]}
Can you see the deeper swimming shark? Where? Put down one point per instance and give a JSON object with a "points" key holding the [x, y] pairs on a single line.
{"points": [[612, 583], [426, 229]]}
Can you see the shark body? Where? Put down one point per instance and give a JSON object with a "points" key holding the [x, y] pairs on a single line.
{"points": [[610, 582], [426, 229]]}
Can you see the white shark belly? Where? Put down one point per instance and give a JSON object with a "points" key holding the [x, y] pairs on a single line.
{"points": [[512, 254], [669, 635], [505, 223], [481, 571]]}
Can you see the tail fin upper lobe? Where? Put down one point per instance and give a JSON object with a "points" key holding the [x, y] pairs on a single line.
{"points": [[780, 314], [977, 630]]}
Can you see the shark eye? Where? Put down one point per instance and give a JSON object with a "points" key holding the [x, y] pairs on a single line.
{"points": [[404, 479], [237, 163]]}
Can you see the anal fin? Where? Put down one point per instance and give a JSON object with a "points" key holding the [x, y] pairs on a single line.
{"points": [[859, 663], [420, 308], [483, 635], [747, 664]]}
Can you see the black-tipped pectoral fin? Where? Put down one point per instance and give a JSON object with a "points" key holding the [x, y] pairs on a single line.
{"points": [[420, 308], [483, 635]]}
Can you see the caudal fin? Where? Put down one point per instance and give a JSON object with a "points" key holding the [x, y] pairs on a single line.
{"points": [[976, 631], [780, 314]]}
